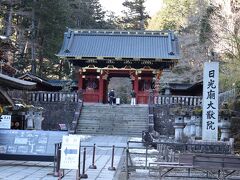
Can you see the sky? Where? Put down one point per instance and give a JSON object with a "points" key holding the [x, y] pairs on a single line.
{"points": [[152, 6]]}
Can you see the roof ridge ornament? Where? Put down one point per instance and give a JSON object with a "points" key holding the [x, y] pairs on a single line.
{"points": [[121, 32], [70, 36], [170, 46]]}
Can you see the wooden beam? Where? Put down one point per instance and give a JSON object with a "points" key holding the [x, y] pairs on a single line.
{"points": [[5, 94]]}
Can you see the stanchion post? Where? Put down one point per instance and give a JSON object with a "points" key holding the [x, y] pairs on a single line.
{"points": [[112, 168], [78, 173], [55, 159], [127, 152], [93, 166], [146, 157], [57, 163], [84, 176]]}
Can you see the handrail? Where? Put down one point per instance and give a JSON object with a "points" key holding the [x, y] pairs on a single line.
{"points": [[77, 115]]}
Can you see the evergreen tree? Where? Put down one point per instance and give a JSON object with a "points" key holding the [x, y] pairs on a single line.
{"points": [[13, 24], [37, 27], [52, 18], [173, 16], [87, 14], [135, 17]]}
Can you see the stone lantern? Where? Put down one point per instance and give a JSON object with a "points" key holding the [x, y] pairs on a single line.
{"points": [[179, 126], [29, 116], [179, 113], [166, 89], [225, 124], [197, 116], [38, 119], [34, 118], [198, 124], [187, 129], [225, 128]]}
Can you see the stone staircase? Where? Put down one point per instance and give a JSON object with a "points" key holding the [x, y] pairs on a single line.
{"points": [[113, 120]]}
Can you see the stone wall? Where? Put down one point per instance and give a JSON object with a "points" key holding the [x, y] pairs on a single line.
{"points": [[56, 113], [163, 122]]}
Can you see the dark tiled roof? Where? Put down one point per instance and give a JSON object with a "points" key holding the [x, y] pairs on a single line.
{"points": [[42, 84], [120, 44], [61, 83], [33, 78], [15, 83]]}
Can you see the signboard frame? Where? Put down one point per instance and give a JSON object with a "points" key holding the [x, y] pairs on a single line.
{"points": [[210, 101], [70, 152], [5, 121]]}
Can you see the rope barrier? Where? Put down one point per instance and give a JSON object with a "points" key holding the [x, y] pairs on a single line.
{"points": [[103, 149]]}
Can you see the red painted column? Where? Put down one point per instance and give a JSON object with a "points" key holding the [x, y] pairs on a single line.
{"points": [[101, 88], [136, 83], [136, 87], [80, 80], [157, 82]]}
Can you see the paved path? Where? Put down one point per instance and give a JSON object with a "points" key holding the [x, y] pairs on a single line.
{"points": [[27, 170]]}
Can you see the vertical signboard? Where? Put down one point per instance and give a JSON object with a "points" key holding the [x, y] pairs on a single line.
{"points": [[5, 122], [210, 101], [70, 152]]}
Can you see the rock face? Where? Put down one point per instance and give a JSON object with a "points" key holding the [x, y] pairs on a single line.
{"points": [[113, 120]]}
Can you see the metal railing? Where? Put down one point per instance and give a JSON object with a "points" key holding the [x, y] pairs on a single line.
{"points": [[82, 163], [77, 114], [139, 155]]}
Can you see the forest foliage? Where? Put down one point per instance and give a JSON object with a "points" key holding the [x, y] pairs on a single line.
{"points": [[207, 29], [36, 28]]}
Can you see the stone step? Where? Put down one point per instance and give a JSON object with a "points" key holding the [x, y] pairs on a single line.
{"points": [[82, 125], [112, 122], [112, 133], [119, 120], [112, 127]]}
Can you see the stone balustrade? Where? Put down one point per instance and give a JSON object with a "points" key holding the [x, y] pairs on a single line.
{"points": [[41, 96], [184, 100]]}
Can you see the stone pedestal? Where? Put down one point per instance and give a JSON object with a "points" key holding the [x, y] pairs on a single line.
{"points": [[29, 120], [167, 91], [198, 124], [187, 129], [193, 126], [150, 123], [179, 126], [225, 128], [38, 120]]}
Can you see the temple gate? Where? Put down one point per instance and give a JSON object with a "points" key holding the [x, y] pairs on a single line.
{"points": [[98, 55]]}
